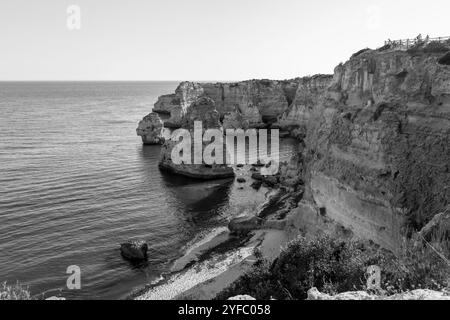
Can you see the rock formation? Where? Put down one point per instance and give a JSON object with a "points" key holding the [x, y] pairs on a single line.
{"points": [[176, 104], [204, 111], [375, 138], [377, 150], [257, 102], [134, 250], [307, 95], [151, 129]]}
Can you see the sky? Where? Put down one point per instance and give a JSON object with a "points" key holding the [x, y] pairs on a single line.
{"points": [[219, 40]]}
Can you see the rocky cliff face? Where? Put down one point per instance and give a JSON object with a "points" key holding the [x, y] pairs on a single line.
{"points": [[254, 103], [377, 150], [176, 104], [376, 138], [306, 97], [204, 111]]}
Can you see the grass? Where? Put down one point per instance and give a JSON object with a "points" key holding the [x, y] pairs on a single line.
{"points": [[432, 47], [14, 292], [334, 266]]}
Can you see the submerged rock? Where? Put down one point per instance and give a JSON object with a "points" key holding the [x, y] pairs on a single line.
{"points": [[134, 250]]}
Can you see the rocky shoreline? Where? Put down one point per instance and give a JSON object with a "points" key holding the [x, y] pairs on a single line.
{"points": [[373, 159]]}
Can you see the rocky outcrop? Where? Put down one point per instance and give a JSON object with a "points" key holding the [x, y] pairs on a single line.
{"points": [[176, 104], [377, 145], [307, 95], [202, 110], [134, 250], [291, 172], [254, 103], [420, 294], [438, 229], [151, 129]]}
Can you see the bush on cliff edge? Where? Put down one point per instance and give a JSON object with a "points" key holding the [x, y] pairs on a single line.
{"points": [[334, 266], [14, 292]]}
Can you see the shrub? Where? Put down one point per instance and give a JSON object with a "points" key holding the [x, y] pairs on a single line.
{"points": [[14, 292], [445, 59], [359, 52], [432, 47], [335, 266], [436, 47]]}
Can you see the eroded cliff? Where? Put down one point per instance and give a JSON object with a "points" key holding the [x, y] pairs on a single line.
{"points": [[377, 150]]}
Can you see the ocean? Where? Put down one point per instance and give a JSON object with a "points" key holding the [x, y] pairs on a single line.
{"points": [[76, 181]]}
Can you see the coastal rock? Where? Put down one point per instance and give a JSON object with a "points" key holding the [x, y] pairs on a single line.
{"points": [[307, 95], [378, 144], [151, 129], [438, 229], [204, 111], [175, 105], [234, 120], [134, 250], [252, 103], [291, 172], [244, 224], [267, 96], [314, 294]]}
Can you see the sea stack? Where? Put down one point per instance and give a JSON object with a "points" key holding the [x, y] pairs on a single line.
{"points": [[204, 111], [151, 129]]}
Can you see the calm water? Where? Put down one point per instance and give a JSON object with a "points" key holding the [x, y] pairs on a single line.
{"points": [[75, 181]]}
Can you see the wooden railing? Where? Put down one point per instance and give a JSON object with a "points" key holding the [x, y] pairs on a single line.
{"points": [[407, 43]]}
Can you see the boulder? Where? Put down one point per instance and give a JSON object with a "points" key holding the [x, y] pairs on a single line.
{"points": [[134, 250]]}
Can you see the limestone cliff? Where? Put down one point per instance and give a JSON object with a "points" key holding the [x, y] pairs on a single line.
{"points": [[377, 150], [307, 95], [176, 104], [204, 111], [255, 102], [375, 138]]}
